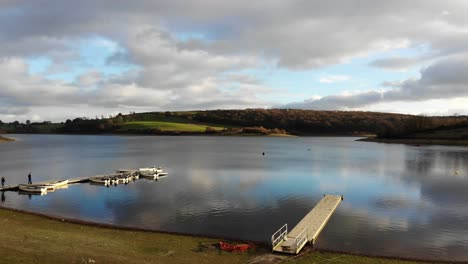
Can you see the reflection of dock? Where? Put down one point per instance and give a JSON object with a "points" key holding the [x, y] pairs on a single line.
{"points": [[308, 229], [9, 188]]}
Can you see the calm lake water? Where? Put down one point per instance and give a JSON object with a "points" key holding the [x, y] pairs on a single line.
{"points": [[399, 200]]}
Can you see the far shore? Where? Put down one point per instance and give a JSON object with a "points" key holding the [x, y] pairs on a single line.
{"points": [[417, 142], [367, 137], [184, 133], [32, 237]]}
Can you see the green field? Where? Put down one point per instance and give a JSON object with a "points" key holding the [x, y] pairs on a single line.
{"points": [[167, 126]]}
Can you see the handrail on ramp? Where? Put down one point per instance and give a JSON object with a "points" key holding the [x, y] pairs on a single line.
{"points": [[279, 235]]}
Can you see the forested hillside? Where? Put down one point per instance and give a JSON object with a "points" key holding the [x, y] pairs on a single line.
{"points": [[249, 121]]}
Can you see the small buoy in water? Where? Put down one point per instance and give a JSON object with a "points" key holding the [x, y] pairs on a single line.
{"points": [[263, 153]]}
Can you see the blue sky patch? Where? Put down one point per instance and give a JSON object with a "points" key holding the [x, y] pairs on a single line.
{"points": [[93, 55]]}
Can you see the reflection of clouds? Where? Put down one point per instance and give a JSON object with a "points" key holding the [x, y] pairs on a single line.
{"points": [[361, 231], [451, 191], [399, 200], [422, 163], [435, 161], [242, 179], [381, 221], [396, 203], [417, 209]]}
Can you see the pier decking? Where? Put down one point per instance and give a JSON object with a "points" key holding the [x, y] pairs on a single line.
{"points": [[308, 229], [70, 181]]}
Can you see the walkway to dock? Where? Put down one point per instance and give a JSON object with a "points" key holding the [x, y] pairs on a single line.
{"points": [[308, 229]]}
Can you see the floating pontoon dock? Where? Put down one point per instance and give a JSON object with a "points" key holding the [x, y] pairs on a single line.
{"points": [[70, 181], [308, 229]]}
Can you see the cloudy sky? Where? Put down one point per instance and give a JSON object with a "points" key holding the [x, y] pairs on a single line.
{"points": [[64, 59]]}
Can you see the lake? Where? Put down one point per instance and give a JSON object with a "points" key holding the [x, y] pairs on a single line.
{"points": [[399, 200]]}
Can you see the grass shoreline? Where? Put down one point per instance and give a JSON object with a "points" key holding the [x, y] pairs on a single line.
{"points": [[25, 228]]}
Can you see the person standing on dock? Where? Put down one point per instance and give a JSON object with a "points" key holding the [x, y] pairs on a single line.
{"points": [[3, 181], [29, 178]]}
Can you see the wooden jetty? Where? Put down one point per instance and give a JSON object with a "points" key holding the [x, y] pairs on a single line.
{"points": [[78, 180], [308, 229], [70, 181]]}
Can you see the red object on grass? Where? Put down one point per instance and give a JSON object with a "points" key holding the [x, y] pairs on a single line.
{"points": [[234, 247]]}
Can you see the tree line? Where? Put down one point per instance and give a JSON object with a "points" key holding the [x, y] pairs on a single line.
{"points": [[254, 121], [297, 121]]}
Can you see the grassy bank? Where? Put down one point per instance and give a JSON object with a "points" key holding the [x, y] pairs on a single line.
{"points": [[4, 139], [418, 141], [28, 238], [335, 258], [167, 126]]}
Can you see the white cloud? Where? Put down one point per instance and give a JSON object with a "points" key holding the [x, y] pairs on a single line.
{"points": [[226, 39], [334, 78], [23, 94], [395, 63], [444, 79], [445, 13], [434, 107]]}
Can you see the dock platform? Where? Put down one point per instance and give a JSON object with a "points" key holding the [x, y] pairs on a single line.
{"points": [[70, 180], [78, 180], [308, 229]]}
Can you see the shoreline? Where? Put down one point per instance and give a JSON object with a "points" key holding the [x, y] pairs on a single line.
{"points": [[261, 248], [184, 134], [417, 142], [123, 228], [5, 139]]}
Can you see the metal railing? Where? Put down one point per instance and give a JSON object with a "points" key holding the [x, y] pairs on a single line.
{"points": [[300, 240], [279, 235]]}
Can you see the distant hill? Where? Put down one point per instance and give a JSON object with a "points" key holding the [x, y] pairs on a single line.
{"points": [[253, 121], [453, 132]]}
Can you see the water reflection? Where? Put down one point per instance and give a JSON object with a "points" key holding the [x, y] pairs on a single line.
{"points": [[399, 200]]}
